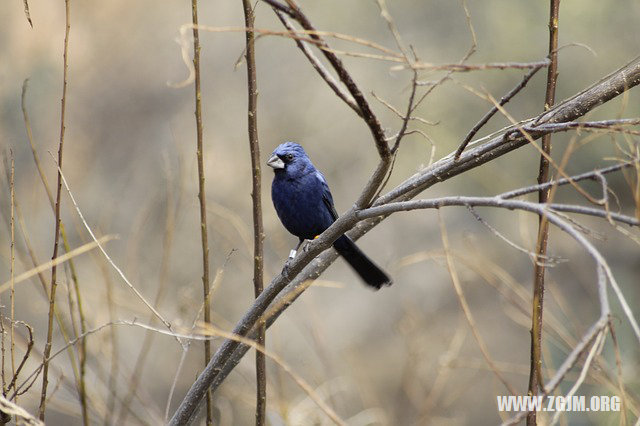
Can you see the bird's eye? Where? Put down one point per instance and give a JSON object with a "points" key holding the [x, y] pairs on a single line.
{"points": [[289, 157]]}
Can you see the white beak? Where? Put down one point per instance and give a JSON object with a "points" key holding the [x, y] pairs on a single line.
{"points": [[275, 162]]}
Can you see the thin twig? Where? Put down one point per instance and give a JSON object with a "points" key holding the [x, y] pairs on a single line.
{"points": [[530, 138], [549, 261], [367, 114], [111, 262], [319, 67], [400, 115], [12, 261], [114, 365], [535, 374], [472, 67], [384, 12], [576, 178], [56, 237], [299, 381], [256, 198], [596, 348], [403, 128], [43, 282], [26, 354], [57, 261], [26, 12], [202, 197], [568, 363], [185, 349], [80, 376], [467, 55], [506, 98], [615, 125], [292, 33], [621, 389], [163, 275], [131, 323], [466, 310]]}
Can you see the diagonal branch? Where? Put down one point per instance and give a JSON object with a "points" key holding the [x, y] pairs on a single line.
{"points": [[317, 65], [285, 288], [506, 98], [294, 11]]}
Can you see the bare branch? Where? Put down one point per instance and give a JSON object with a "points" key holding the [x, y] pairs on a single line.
{"points": [[547, 259], [559, 182], [256, 201], [317, 65], [56, 237], [367, 114], [57, 261], [26, 13], [111, 262], [506, 98], [472, 67], [467, 311], [308, 265], [545, 195], [609, 125]]}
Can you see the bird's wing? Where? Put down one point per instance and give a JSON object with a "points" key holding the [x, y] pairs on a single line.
{"points": [[326, 196]]}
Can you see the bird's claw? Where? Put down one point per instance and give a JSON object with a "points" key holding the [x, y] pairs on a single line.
{"points": [[285, 268]]}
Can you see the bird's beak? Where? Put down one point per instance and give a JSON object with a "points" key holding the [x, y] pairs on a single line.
{"points": [[275, 162]]}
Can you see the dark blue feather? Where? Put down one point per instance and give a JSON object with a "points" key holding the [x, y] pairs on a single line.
{"points": [[304, 204]]}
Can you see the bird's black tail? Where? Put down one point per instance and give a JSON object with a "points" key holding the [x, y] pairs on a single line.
{"points": [[370, 273]]}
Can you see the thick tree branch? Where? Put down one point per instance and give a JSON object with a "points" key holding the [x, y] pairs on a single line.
{"points": [[315, 268], [311, 263]]}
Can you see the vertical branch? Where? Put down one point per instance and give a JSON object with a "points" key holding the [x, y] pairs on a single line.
{"points": [[12, 190], [56, 238], [535, 373], [258, 233], [79, 375], [10, 169], [202, 196], [114, 367]]}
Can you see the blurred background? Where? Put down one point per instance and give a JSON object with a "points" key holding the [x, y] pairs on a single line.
{"points": [[402, 356]]}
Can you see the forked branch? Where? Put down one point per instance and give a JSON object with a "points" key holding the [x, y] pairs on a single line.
{"points": [[311, 263]]}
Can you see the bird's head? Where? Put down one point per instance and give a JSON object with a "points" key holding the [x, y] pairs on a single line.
{"points": [[289, 157]]}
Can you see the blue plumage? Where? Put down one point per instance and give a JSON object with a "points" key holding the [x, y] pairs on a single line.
{"points": [[304, 204]]}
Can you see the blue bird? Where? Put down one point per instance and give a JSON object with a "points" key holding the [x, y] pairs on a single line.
{"points": [[304, 205]]}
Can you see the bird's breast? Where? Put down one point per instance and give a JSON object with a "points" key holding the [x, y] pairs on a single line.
{"points": [[299, 205]]}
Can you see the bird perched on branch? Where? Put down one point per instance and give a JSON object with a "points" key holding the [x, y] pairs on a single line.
{"points": [[304, 205]]}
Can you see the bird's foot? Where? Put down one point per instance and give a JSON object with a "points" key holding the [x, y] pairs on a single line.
{"points": [[287, 264], [285, 269]]}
